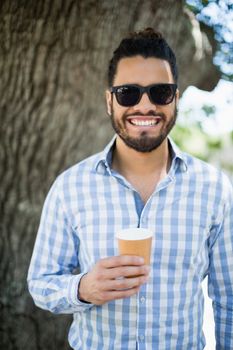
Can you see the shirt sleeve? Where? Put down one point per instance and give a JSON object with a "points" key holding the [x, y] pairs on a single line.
{"points": [[51, 281], [220, 278]]}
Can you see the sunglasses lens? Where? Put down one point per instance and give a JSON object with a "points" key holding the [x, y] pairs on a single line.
{"points": [[162, 94], [127, 95]]}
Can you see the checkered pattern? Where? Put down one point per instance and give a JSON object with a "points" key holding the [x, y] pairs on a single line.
{"points": [[191, 216]]}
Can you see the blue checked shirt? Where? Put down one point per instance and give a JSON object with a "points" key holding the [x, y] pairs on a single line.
{"points": [[191, 215]]}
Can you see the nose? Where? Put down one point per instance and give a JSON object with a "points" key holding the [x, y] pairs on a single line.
{"points": [[145, 105]]}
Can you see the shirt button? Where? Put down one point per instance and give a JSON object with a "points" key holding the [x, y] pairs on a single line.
{"points": [[141, 337], [142, 299]]}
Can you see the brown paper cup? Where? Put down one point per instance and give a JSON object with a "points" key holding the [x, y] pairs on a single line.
{"points": [[135, 241]]}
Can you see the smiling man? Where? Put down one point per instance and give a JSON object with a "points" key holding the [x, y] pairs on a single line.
{"points": [[141, 179], [147, 117]]}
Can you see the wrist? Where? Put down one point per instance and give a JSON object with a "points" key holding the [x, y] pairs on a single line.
{"points": [[81, 290]]}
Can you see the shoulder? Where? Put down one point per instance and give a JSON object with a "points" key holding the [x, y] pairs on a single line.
{"points": [[206, 174], [76, 175], [83, 168]]}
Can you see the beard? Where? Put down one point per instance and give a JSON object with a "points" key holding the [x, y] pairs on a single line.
{"points": [[144, 143]]}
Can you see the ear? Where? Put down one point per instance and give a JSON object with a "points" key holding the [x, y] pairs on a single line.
{"points": [[177, 96], [108, 97]]}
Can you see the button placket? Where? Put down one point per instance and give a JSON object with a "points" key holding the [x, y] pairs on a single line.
{"points": [[142, 299], [141, 324]]}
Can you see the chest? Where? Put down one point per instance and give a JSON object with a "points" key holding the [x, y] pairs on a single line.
{"points": [[179, 219]]}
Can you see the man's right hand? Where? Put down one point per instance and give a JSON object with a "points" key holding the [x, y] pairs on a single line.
{"points": [[106, 281]]}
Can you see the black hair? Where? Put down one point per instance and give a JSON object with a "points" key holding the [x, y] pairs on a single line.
{"points": [[146, 43]]}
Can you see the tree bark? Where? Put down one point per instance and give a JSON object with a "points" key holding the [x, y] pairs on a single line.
{"points": [[53, 62]]}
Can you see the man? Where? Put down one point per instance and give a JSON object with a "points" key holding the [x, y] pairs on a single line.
{"points": [[141, 179]]}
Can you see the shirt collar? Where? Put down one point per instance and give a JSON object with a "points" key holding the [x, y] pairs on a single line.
{"points": [[177, 154], [105, 157]]}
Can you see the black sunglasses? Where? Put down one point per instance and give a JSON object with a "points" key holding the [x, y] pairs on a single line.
{"points": [[130, 94]]}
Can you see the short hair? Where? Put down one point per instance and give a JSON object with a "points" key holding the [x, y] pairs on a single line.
{"points": [[146, 43]]}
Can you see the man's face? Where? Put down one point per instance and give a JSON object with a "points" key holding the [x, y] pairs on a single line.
{"points": [[145, 125]]}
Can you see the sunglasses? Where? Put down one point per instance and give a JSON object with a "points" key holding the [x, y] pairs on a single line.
{"points": [[130, 94]]}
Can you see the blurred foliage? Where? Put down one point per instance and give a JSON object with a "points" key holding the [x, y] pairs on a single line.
{"points": [[209, 110], [189, 133], [214, 149], [218, 14], [194, 140]]}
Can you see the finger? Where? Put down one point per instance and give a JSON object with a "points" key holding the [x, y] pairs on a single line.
{"points": [[121, 294], [121, 260], [127, 271], [126, 283]]}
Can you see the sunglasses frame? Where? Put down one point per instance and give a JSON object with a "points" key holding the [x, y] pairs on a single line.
{"points": [[143, 89]]}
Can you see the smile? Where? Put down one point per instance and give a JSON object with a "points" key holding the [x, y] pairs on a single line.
{"points": [[147, 122]]}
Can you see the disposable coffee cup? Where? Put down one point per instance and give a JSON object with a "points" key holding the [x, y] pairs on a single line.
{"points": [[135, 241]]}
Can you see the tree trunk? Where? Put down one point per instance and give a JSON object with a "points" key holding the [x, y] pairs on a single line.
{"points": [[53, 63]]}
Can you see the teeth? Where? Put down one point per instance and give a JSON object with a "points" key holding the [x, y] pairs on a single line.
{"points": [[144, 122]]}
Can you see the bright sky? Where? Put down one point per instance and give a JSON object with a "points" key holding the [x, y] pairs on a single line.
{"points": [[190, 107]]}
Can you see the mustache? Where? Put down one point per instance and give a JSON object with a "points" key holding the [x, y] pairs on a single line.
{"points": [[148, 114]]}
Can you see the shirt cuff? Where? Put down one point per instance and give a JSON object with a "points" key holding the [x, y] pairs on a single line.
{"points": [[73, 292]]}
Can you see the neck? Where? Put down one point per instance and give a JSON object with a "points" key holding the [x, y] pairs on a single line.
{"points": [[129, 161]]}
